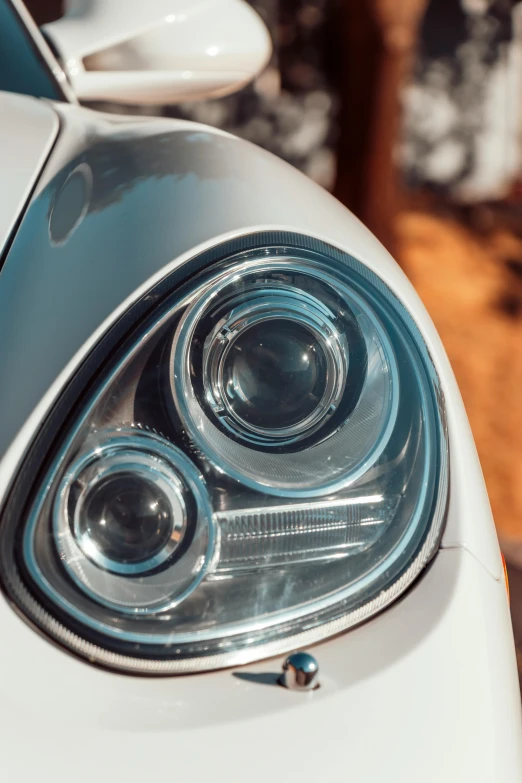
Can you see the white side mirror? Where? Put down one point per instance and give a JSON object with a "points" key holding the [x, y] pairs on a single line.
{"points": [[159, 51]]}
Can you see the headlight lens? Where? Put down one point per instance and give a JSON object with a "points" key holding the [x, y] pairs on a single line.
{"points": [[298, 484], [287, 345], [274, 365], [131, 524]]}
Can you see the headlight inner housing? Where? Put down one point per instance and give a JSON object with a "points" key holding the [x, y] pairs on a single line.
{"points": [[262, 462], [367, 403], [258, 318]]}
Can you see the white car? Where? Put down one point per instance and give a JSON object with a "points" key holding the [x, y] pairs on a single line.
{"points": [[235, 466]]}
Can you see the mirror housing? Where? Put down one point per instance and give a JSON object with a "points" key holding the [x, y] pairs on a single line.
{"points": [[159, 51]]}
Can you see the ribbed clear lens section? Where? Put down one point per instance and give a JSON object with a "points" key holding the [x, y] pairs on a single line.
{"points": [[302, 532]]}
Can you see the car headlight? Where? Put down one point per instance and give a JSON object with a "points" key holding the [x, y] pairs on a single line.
{"points": [[256, 463]]}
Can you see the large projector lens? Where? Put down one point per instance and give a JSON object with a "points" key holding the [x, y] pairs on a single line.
{"points": [[274, 375], [284, 378], [274, 365]]}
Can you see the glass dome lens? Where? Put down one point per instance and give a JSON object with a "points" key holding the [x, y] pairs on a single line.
{"points": [[274, 374], [126, 518], [132, 523], [273, 359]]}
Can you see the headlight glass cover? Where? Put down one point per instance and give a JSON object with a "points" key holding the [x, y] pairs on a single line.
{"points": [[260, 463]]}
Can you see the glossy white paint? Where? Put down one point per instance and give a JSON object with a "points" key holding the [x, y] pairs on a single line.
{"points": [[425, 691], [22, 154], [160, 51]]}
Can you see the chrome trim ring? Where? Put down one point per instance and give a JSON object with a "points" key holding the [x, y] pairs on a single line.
{"points": [[337, 458], [261, 304], [136, 591]]}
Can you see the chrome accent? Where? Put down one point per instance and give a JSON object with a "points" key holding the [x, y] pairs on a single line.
{"points": [[259, 304], [300, 672]]}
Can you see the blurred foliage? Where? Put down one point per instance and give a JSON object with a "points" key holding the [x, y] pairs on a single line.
{"points": [[459, 45]]}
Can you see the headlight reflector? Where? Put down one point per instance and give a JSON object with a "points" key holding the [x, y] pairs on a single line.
{"points": [[336, 424]]}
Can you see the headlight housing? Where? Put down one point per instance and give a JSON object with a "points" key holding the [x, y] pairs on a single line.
{"points": [[257, 460]]}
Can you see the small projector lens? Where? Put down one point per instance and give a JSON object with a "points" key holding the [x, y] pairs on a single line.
{"points": [[127, 518]]}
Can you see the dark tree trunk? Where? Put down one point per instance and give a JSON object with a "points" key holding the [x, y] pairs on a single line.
{"points": [[377, 43]]}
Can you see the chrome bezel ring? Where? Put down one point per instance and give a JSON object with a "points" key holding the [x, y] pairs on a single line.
{"points": [[259, 305], [139, 582]]}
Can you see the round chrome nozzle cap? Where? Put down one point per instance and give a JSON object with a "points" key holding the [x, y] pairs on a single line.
{"points": [[300, 672]]}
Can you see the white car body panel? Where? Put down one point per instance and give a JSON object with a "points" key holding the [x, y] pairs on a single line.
{"points": [[425, 691], [22, 154], [406, 697]]}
